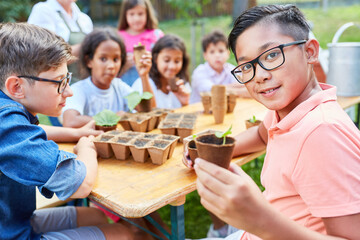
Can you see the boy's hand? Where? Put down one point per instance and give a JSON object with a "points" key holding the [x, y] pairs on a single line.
{"points": [[144, 68], [232, 196], [89, 129], [85, 143], [183, 94]]}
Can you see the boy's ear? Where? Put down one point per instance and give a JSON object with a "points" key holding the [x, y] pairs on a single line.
{"points": [[15, 87], [312, 51], [205, 56], [88, 62]]}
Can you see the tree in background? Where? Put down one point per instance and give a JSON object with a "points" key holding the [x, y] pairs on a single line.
{"points": [[15, 10]]}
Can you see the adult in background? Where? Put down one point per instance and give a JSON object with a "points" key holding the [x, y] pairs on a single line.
{"points": [[65, 19]]}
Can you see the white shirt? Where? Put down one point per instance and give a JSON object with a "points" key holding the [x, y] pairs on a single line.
{"points": [[204, 77], [163, 100], [45, 14], [90, 100]]}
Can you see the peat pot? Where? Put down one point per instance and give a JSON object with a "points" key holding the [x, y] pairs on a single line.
{"points": [[344, 59]]}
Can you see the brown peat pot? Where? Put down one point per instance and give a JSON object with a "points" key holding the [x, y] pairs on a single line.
{"points": [[193, 153], [105, 128], [212, 149]]}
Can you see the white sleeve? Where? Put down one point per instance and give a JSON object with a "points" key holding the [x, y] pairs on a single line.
{"points": [[42, 16]]}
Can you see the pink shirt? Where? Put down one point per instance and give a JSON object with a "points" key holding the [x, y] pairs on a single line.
{"points": [[312, 164], [147, 38]]}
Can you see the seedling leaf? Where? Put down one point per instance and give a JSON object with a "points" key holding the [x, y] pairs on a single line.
{"points": [[106, 118], [253, 119], [135, 98], [223, 134]]}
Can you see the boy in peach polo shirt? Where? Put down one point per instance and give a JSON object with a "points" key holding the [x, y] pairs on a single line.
{"points": [[311, 172]]}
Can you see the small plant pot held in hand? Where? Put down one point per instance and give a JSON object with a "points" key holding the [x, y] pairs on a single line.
{"points": [[212, 149]]}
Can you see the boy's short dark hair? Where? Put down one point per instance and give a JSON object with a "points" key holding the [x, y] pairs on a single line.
{"points": [[92, 42], [213, 37], [27, 49], [291, 20]]}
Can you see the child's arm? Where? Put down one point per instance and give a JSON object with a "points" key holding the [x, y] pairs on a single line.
{"points": [[86, 152], [235, 198], [143, 71], [73, 119], [65, 134], [252, 140]]}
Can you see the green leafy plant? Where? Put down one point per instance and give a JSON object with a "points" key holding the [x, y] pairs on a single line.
{"points": [[135, 98], [253, 119], [223, 134], [194, 136], [106, 118]]}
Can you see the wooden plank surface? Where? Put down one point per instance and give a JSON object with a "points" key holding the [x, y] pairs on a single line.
{"points": [[136, 189]]}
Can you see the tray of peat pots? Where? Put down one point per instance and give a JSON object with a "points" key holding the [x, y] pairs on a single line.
{"points": [[181, 124], [252, 122], [124, 121], [216, 148]]}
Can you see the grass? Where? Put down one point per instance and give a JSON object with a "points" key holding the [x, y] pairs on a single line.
{"points": [[325, 24]]}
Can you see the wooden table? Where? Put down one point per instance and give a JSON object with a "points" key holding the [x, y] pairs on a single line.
{"points": [[135, 190]]}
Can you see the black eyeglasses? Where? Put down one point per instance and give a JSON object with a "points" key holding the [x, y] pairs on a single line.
{"points": [[268, 60], [62, 82]]}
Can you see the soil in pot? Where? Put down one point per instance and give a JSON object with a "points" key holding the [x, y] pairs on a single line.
{"points": [[168, 127], [212, 149], [114, 132], [150, 136], [105, 138], [174, 116]]}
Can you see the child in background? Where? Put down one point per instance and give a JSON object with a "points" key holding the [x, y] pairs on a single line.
{"points": [[34, 79], [311, 171], [137, 24], [169, 67], [102, 56], [215, 70]]}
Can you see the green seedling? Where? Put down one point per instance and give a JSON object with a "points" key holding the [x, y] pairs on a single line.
{"points": [[253, 119], [106, 118], [135, 98], [223, 134], [194, 136]]}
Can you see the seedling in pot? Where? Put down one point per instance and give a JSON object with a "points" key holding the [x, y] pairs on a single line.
{"points": [[223, 134], [135, 98], [105, 119], [253, 119]]}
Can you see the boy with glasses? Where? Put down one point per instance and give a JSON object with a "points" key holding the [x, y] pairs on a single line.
{"points": [[34, 79], [311, 172]]}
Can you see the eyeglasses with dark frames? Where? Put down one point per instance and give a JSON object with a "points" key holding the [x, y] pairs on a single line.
{"points": [[268, 60], [63, 82]]}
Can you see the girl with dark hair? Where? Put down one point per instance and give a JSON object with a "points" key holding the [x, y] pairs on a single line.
{"points": [[102, 57], [169, 77], [137, 24]]}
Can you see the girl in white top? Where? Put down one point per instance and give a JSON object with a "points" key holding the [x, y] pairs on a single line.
{"points": [[102, 56], [169, 61]]}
